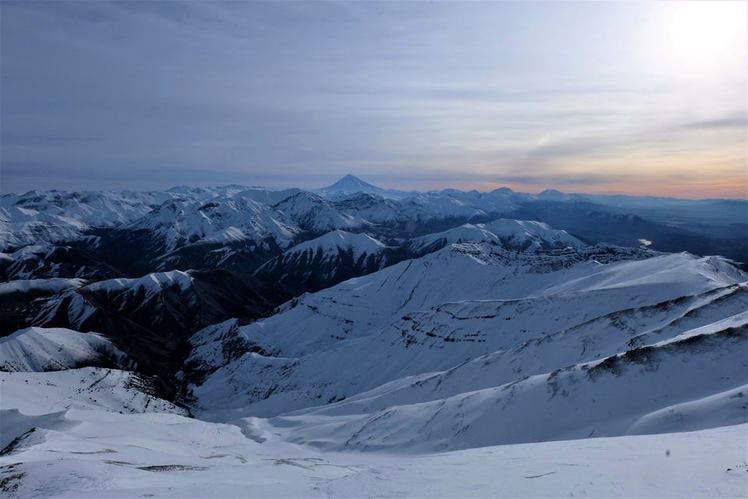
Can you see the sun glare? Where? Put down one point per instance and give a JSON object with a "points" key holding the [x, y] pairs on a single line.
{"points": [[702, 37]]}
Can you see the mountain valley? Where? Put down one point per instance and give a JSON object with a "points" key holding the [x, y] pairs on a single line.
{"points": [[356, 340]]}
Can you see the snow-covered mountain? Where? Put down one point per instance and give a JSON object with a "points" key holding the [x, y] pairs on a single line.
{"points": [[56, 349], [394, 361], [90, 453], [350, 184], [44, 261], [639, 391], [329, 259], [150, 318], [100, 432], [48, 216], [350, 204], [336, 241], [521, 235], [314, 213], [222, 220], [359, 341], [379, 210], [470, 206]]}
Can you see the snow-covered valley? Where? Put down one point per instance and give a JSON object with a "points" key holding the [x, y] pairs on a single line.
{"points": [[360, 342]]}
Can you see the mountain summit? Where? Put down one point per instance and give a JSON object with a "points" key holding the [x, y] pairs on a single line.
{"points": [[351, 184]]}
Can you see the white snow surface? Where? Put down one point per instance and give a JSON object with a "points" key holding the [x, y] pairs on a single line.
{"points": [[48, 216], [339, 240], [89, 388], [53, 285], [519, 234], [149, 284], [510, 360], [219, 220], [313, 213], [540, 374], [54, 349], [76, 453], [92, 433], [565, 348]]}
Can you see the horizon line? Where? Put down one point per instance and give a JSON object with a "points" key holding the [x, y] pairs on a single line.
{"points": [[198, 185]]}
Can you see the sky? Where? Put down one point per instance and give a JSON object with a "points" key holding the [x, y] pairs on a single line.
{"points": [[639, 98]]}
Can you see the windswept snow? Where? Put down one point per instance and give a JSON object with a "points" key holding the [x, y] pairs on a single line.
{"points": [[427, 347], [600, 398], [459, 272], [89, 388], [515, 234], [235, 219], [149, 284], [313, 213], [48, 216], [337, 240], [77, 454], [54, 285], [55, 349]]}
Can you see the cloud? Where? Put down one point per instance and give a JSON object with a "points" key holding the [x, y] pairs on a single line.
{"points": [[738, 120], [106, 93]]}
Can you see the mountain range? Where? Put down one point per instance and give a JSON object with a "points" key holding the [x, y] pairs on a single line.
{"points": [[355, 340]]}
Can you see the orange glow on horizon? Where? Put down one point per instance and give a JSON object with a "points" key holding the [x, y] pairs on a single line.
{"points": [[722, 188]]}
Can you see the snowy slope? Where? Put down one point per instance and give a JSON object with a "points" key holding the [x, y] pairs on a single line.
{"points": [[515, 234], [150, 318], [147, 285], [56, 349], [380, 210], [36, 406], [89, 388], [527, 360], [335, 241], [40, 261], [489, 344], [313, 213], [324, 261], [221, 220], [54, 285], [98, 433], [77, 454], [422, 209], [20, 227], [357, 306], [47, 216], [267, 196], [402, 315], [214, 346], [600, 398], [182, 296], [473, 204]]}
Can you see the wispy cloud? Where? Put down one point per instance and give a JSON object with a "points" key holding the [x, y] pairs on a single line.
{"points": [[286, 93], [738, 120]]}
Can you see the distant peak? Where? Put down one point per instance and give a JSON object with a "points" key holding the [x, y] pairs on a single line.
{"points": [[351, 180], [551, 194], [350, 184]]}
